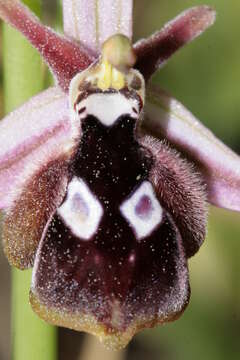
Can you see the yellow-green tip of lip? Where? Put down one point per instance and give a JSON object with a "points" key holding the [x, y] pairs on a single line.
{"points": [[118, 51]]}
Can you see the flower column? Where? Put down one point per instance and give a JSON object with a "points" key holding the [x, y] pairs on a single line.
{"points": [[31, 337]]}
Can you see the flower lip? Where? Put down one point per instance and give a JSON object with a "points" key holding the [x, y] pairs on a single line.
{"points": [[131, 287]]}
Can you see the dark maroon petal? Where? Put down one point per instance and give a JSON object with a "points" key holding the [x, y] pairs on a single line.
{"points": [[219, 165], [110, 287], [182, 193], [153, 52], [25, 221], [64, 57], [112, 260]]}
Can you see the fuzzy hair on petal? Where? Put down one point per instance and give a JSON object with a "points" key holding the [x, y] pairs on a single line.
{"points": [[153, 52], [182, 192], [64, 57]]}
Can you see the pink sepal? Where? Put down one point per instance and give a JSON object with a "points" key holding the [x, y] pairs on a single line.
{"points": [[92, 22], [32, 135], [219, 165]]}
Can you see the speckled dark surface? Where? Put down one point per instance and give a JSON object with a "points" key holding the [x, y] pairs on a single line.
{"points": [[90, 276]]}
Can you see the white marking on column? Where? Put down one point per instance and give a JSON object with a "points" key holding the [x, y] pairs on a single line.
{"points": [[142, 210], [81, 211], [107, 108]]}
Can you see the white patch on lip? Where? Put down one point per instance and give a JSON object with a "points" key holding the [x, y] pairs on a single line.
{"points": [[107, 108], [142, 210], [81, 211]]}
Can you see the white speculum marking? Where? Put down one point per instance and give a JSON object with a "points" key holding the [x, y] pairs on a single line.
{"points": [[142, 210], [107, 108], [81, 211]]}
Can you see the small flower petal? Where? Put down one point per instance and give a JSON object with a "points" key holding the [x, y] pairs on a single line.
{"points": [[64, 57], [31, 136], [93, 21], [220, 166], [152, 53]]}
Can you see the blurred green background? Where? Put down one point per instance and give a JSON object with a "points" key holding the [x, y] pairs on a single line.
{"points": [[205, 76]]}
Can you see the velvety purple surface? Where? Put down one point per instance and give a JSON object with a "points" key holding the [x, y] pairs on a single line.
{"points": [[144, 278]]}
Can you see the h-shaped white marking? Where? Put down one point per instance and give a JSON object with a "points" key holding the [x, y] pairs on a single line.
{"points": [[107, 108]]}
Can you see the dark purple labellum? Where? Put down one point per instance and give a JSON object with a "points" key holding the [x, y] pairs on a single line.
{"points": [[131, 260]]}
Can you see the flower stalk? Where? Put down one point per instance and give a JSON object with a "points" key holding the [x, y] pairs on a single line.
{"points": [[22, 67]]}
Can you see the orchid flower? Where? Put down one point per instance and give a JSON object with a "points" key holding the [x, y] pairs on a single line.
{"points": [[108, 287]]}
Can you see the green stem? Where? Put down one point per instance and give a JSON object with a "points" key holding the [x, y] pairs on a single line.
{"points": [[92, 349], [23, 78]]}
